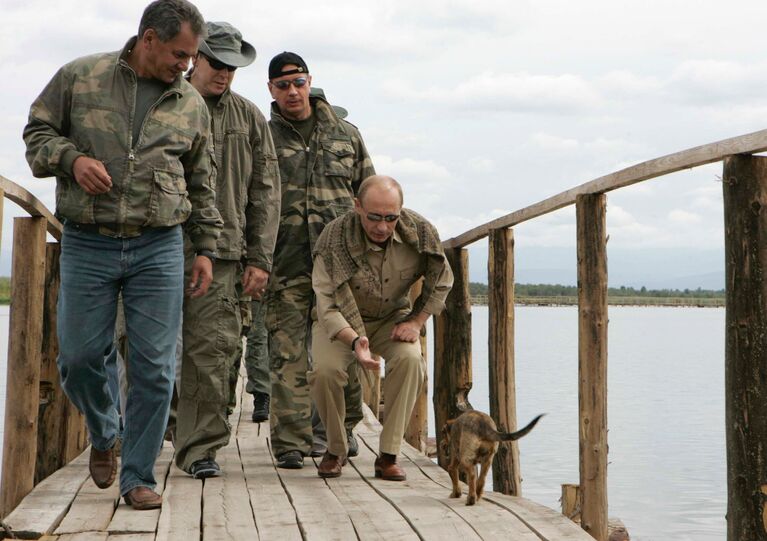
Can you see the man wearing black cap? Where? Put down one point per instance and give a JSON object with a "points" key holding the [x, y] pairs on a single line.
{"points": [[322, 162], [248, 197]]}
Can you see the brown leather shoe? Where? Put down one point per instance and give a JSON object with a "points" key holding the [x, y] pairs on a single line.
{"points": [[331, 465], [386, 468], [143, 498], [103, 466]]}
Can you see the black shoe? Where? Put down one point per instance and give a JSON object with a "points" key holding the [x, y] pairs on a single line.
{"points": [[354, 447], [207, 467], [260, 407], [291, 460]]}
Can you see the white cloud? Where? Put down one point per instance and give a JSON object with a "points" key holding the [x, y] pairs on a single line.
{"points": [[684, 217], [520, 92]]}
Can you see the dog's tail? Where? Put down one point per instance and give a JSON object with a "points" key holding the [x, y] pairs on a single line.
{"points": [[510, 436]]}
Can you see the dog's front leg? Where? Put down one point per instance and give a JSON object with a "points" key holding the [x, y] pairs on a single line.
{"points": [[452, 469]]}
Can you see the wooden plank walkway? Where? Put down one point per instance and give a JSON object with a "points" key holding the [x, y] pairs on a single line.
{"points": [[255, 500]]}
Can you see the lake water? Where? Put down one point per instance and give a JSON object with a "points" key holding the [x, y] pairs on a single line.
{"points": [[667, 462], [666, 471]]}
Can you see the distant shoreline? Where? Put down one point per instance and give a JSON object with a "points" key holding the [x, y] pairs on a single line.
{"points": [[482, 300]]}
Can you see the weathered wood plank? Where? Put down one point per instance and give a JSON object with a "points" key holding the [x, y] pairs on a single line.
{"points": [[320, 514], [126, 519], [226, 511], [31, 204], [274, 513], [452, 349], [131, 537], [427, 516], [503, 398], [42, 509], [181, 511], [372, 516], [713, 152], [25, 334], [84, 536], [92, 509], [745, 220], [592, 361]]}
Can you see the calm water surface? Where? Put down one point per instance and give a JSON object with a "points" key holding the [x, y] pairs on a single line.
{"points": [[666, 465], [666, 471]]}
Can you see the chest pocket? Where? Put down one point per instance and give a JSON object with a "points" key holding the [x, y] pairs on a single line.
{"points": [[338, 158]]}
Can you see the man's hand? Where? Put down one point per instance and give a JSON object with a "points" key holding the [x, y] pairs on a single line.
{"points": [[254, 282], [202, 276], [91, 175], [407, 331], [364, 357]]}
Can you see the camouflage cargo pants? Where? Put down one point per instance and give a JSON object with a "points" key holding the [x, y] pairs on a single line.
{"points": [[211, 330], [288, 322], [257, 352]]}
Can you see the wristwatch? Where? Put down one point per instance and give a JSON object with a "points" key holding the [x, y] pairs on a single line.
{"points": [[210, 254]]}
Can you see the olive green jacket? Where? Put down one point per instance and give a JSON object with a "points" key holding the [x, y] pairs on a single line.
{"points": [[164, 178], [247, 183], [319, 180]]}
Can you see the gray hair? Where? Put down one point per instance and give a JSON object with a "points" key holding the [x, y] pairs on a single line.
{"points": [[167, 16], [382, 181]]}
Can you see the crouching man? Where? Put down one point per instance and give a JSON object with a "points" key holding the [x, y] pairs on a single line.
{"points": [[364, 265]]}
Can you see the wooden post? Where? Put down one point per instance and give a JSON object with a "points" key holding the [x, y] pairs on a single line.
{"points": [[418, 428], [592, 361], [452, 350], [745, 239], [24, 346], [571, 501], [53, 403], [503, 408]]}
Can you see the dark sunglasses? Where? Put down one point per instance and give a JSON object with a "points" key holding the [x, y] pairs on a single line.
{"points": [[218, 66], [373, 217], [285, 83]]}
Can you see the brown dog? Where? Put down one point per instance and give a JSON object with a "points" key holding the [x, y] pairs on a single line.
{"points": [[472, 439]]}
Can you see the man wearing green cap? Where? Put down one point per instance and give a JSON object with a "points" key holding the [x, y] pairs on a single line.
{"points": [[322, 161], [248, 197]]}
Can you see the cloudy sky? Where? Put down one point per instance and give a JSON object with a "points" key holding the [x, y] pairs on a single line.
{"points": [[481, 107]]}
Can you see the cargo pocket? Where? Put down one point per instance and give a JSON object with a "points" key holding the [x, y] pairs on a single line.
{"points": [[338, 159], [168, 203]]}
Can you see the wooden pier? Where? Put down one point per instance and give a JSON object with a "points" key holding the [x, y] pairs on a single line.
{"points": [[255, 500], [45, 492]]}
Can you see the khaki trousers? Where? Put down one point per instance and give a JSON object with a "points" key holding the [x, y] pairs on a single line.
{"points": [[405, 372]]}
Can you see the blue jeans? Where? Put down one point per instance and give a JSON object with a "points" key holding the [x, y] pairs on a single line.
{"points": [[149, 271]]}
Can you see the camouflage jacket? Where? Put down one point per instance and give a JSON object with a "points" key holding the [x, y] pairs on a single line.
{"points": [[319, 179], [163, 179], [247, 182]]}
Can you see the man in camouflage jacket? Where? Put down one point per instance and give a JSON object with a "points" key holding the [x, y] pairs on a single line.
{"points": [[322, 162], [248, 197], [128, 141]]}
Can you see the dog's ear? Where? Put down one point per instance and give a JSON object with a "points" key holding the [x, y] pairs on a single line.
{"points": [[449, 422]]}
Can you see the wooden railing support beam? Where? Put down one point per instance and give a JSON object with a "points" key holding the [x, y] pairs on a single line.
{"points": [[592, 361], [503, 402], [745, 239], [24, 351], [452, 350]]}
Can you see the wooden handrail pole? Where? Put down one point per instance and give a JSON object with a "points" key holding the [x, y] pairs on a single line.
{"points": [[592, 361], [745, 225], [418, 428], [24, 346], [452, 350], [503, 403]]}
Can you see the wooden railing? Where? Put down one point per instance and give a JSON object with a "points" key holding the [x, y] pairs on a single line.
{"points": [[43, 431], [745, 211]]}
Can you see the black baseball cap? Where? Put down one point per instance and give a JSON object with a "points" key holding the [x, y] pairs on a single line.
{"points": [[282, 60]]}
